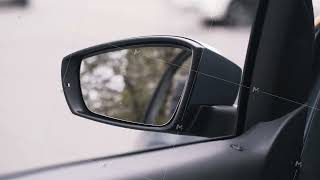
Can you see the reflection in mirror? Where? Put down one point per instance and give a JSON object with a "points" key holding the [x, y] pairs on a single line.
{"points": [[140, 85]]}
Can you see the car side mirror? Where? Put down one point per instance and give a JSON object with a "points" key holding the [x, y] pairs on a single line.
{"points": [[156, 83]]}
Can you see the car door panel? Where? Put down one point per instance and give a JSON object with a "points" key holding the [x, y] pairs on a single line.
{"points": [[268, 150]]}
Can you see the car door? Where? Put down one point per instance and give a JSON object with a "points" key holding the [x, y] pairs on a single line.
{"points": [[271, 114]]}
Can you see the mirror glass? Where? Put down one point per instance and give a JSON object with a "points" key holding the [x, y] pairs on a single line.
{"points": [[138, 84]]}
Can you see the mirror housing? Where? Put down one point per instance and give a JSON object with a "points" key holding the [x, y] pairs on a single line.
{"points": [[213, 81]]}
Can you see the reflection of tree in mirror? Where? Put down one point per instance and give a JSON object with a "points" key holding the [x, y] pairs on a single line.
{"points": [[121, 84]]}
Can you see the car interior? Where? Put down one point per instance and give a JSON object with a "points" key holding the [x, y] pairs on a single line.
{"points": [[311, 146]]}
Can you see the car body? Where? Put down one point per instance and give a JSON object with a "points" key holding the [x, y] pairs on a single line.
{"points": [[17, 3], [222, 12]]}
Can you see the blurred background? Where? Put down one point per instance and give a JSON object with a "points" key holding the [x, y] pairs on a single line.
{"points": [[36, 127]]}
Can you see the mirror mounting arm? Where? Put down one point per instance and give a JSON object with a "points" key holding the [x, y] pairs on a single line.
{"points": [[215, 121]]}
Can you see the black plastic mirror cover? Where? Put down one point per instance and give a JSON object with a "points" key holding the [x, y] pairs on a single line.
{"points": [[213, 80]]}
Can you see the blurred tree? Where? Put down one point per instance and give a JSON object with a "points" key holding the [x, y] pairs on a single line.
{"points": [[120, 84]]}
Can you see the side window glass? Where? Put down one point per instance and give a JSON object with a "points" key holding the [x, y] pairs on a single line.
{"points": [[37, 128]]}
